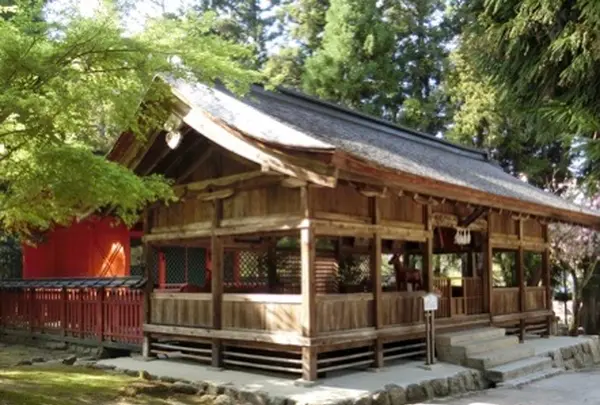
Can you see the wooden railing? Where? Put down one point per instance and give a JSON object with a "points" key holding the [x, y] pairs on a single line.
{"points": [[402, 308], [459, 296], [505, 300], [338, 312], [88, 314], [535, 298], [181, 309], [266, 312]]}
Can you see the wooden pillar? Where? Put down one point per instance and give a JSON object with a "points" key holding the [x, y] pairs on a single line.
{"points": [[488, 269], [149, 286], [547, 279], [216, 249], [376, 280], [309, 305], [63, 310], [428, 251], [521, 282]]}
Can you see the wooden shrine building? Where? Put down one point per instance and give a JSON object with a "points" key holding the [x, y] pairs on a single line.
{"points": [[306, 234]]}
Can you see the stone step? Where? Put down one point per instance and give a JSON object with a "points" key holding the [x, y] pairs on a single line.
{"points": [[518, 369], [485, 361], [455, 354], [465, 336], [530, 378]]}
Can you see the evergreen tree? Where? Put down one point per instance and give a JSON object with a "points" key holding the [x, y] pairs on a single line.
{"points": [[543, 56], [355, 64]]}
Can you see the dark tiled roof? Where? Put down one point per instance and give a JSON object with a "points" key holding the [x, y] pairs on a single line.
{"points": [[115, 282], [293, 119]]}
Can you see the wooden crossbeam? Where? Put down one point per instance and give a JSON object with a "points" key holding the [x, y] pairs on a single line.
{"points": [[472, 217]]}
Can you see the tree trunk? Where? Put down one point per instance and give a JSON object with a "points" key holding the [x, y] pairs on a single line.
{"points": [[575, 321]]}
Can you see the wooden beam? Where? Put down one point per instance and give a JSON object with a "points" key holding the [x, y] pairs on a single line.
{"points": [[219, 182], [217, 281], [216, 195], [194, 166], [472, 217], [228, 139], [292, 182]]}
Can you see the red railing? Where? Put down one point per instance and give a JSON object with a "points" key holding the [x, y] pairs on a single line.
{"points": [[103, 315]]}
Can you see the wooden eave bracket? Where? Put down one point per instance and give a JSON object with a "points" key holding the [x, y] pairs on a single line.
{"points": [[472, 217]]}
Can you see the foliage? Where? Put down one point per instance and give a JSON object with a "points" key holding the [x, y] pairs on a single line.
{"points": [[70, 84], [543, 57]]}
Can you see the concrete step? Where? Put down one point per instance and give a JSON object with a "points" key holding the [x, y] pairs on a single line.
{"points": [[485, 361], [518, 369], [530, 378], [457, 353], [466, 336]]}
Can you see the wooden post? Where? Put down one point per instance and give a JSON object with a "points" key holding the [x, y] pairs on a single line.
{"points": [[216, 248], [428, 251], [376, 280], [309, 305], [521, 282], [488, 269], [63, 310], [100, 314], [547, 279], [32, 309], [149, 286]]}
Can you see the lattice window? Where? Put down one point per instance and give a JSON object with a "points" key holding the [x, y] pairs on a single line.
{"points": [[354, 273], [288, 273]]}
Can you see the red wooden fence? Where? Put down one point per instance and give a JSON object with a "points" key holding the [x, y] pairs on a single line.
{"points": [[102, 315]]}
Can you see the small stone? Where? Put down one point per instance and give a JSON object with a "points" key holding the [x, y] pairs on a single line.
{"points": [[570, 364], [231, 392], [38, 360], [428, 388], [56, 345], [69, 361], [215, 390], [223, 400], [397, 394], [277, 401], [24, 363], [456, 386], [468, 381], [363, 400], [144, 375], [380, 398], [254, 397], [416, 393], [440, 387], [169, 380], [184, 388], [101, 366], [130, 373], [89, 364]]}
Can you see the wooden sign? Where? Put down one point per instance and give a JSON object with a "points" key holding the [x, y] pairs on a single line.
{"points": [[430, 302]]}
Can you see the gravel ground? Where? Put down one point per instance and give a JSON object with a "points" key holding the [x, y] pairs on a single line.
{"points": [[572, 388]]}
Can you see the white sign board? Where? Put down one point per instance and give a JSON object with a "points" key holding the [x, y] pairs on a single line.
{"points": [[430, 302]]}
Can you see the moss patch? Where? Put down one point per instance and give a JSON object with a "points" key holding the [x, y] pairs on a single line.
{"points": [[75, 386]]}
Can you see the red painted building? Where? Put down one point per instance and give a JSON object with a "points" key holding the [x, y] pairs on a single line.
{"points": [[96, 247]]}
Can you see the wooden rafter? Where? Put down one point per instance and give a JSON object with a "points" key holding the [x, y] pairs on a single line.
{"points": [[194, 166], [228, 139], [472, 217]]}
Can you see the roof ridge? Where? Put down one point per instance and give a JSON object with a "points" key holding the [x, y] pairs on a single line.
{"points": [[420, 136]]}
